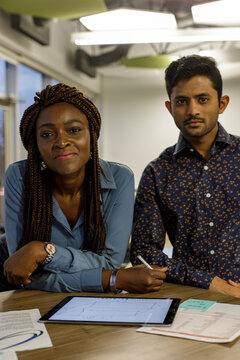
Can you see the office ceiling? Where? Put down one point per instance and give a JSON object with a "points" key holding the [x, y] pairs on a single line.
{"points": [[71, 10], [62, 9], [75, 8]]}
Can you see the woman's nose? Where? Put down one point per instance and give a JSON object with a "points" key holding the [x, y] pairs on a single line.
{"points": [[61, 140]]}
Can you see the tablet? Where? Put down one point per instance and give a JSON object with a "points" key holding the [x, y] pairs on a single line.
{"points": [[113, 311]]}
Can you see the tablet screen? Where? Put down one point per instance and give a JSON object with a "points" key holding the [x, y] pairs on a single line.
{"points": [[113, 310]]}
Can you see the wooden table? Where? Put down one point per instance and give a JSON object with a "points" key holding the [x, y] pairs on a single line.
{"points": [[97, 342]]}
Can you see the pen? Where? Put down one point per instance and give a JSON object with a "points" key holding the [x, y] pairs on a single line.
{"points": [[144, 262]]}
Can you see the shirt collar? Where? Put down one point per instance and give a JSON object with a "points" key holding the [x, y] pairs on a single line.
{"points": [[107, 182], [107, 179], [222, 137]]}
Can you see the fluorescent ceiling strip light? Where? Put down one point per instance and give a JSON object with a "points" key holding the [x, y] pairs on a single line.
{"points": [[124, 19], [156, 36], [224, 12]]}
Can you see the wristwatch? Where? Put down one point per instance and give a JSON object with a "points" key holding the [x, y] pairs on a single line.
{"points": [[50, 250]]}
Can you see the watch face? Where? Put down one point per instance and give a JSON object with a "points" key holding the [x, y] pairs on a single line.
{"points": [[51, 248]]}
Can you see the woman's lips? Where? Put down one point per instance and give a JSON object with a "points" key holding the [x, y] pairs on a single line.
{"points": [[64, 156]]}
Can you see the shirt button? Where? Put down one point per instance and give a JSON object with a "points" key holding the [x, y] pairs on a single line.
{"points": [[211, 223], [208, 195], [205, 167], [191, 149], [212, 252]]}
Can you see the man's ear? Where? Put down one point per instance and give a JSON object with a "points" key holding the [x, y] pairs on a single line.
{"points": [[168, 106], [223, 103]]}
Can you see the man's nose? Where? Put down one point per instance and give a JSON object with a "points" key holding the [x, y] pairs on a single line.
{"points": [[193, 108]]}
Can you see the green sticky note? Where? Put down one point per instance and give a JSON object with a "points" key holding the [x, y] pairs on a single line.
{"points": [[197, 304]]}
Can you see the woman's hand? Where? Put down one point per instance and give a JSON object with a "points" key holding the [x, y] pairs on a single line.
{"points": [[19, 267], [140, 279]]}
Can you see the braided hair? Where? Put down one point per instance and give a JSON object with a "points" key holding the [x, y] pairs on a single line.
{"points": [[37, 207]]}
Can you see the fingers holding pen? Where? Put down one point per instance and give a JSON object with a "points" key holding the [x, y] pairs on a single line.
{"points": [[161, 272], [152, 267], [158, 275], [140, 279]]}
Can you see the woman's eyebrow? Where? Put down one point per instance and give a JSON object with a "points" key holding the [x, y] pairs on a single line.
{"points": [[45, 124], [49, 124], [73, 121]]}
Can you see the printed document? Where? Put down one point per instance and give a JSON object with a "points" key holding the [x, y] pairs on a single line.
{"points": [[20, 330], [221, 324]]}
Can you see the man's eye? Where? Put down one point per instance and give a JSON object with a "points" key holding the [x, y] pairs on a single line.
{"points": [[180, 101], [203, 99]]}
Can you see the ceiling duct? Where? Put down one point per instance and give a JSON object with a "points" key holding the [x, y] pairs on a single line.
{"points": [[36, 28], [88, 64]]}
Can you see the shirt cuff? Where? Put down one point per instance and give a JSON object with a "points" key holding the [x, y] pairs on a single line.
{"points": [[182, 274], [91, 280], [61, 261]]}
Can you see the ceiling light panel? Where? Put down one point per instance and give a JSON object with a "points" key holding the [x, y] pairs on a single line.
{"points": [[156, 36], [126, 19], [223, 12]]}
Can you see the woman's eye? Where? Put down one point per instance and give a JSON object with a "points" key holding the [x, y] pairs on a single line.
{"points": [[74, 130], [46, 134]]}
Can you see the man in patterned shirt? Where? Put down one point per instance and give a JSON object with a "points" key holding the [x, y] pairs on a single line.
{"points": [[192, 190]]}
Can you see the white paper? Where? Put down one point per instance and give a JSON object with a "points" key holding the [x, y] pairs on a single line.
{"points": [[199, 325], [225, 308], [20, 330], [8, 355]]}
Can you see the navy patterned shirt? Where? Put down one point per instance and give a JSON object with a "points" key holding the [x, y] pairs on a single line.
{"points": [[197, 202]]}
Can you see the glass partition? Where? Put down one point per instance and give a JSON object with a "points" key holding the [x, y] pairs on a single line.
{"points": [[2, 164]]}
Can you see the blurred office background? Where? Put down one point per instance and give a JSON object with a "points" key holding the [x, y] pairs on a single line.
{"points": [[124, 77]]}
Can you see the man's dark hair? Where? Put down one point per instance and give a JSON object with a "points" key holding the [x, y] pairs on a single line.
{"points": [[189, 66]]}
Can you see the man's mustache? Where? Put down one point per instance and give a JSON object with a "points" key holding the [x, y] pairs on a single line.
{"points": [[193, 118]]}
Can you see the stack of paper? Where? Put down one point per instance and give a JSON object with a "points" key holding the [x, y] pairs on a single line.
{"points": [[218, 323]]}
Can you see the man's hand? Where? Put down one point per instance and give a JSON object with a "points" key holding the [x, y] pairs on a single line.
{"points": [[19, 267], [140, 279], [229, 288], [233, 283]]}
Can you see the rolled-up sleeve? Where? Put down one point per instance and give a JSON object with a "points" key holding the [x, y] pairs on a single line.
{"points": [[73, 269]]}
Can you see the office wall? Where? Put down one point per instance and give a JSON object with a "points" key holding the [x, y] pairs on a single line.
{"points": [[56, 59], [136, 124], [231, 117]]}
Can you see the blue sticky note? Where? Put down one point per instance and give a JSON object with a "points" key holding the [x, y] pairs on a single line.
{"points": [[197, 304]]}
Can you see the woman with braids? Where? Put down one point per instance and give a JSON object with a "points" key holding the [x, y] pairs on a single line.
{"points": [[68, 214]]}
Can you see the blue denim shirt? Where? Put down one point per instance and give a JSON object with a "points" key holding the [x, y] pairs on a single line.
{"points": [[197, 202], [73, 269]]}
